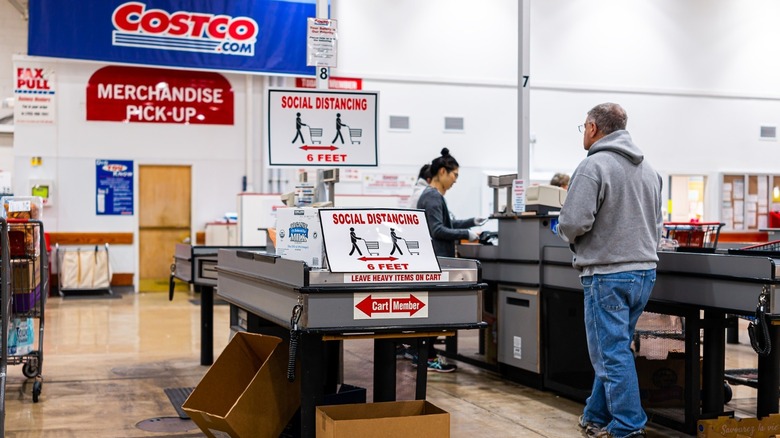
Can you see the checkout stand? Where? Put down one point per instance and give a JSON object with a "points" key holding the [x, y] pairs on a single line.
{"points": [[540, 316], [197, 265], [281, 297]]}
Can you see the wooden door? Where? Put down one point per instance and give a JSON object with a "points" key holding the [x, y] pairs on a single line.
{"points": [[164, 208]]}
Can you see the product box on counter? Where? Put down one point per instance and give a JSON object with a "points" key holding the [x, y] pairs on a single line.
{"points": [[299, 235], [245, 393], [727, 427], [400, 418]]}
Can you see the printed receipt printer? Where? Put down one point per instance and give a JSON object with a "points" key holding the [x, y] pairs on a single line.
{"points": [[544, 198]]}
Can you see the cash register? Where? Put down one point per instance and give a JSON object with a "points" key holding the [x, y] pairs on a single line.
{"points": [[544, 199]]}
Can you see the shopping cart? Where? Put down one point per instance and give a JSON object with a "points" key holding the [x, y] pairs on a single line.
{"points": [[355, 134], [694, 236], [372, 246], [24, 275], [413, 246], [769, 249], [316, 135]]}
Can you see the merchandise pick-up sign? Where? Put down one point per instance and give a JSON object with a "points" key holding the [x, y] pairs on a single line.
{"points": [[386, 305], [153, 95]]}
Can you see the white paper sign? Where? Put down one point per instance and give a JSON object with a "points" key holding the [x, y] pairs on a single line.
{"points": [[322, 42], [34, 94], [322, 128], [387, 241], [518, 196]]}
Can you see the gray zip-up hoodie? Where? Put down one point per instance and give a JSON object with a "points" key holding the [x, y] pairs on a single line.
{"points": [[612, 215]]}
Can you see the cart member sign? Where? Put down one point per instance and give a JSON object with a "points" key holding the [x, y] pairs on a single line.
{"points": [[114, 187], [386, 305], [392, 243], [152, 95], [260, 36], [322, 128]]}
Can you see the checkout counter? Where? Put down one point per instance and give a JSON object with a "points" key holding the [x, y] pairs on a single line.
{"points": [[197, 265], [539, 313], [350, 297]]}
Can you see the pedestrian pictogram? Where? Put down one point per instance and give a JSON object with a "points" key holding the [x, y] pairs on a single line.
{"points": [[298, 124]]}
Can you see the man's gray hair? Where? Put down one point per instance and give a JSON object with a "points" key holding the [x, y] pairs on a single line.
{"points": [[608, 117]]}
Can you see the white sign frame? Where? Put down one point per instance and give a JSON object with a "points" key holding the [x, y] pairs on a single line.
{"points": [[328, 128], [374, 240]]}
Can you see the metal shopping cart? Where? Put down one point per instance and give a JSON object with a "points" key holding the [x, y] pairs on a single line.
{"points": [[316, 135], [694, 236], [24, 282], [355, 134]]}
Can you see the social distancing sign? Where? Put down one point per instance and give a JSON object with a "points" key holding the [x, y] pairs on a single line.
{"points": [[322, 128], [380, 241]]}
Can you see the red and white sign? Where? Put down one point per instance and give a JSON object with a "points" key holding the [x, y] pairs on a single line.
{"points": [[334, 83], [151, 95], [390, 305], [322, 128], [377, 241], [427, 277], [34, 94]]}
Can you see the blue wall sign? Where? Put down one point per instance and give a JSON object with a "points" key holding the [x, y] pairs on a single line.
{"points": [[260, 36], [114, 187]]}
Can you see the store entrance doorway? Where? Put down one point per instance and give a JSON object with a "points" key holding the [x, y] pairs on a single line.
{"points": [[164, 206]]}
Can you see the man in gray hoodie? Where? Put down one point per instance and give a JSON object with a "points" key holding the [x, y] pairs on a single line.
{"points": [[612, 220]]}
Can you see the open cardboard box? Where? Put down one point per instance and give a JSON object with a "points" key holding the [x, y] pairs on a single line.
{"points": [[245, 393], [388, 419]]}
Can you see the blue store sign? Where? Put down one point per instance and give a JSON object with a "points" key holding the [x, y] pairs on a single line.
{"points": [[259, 36], [114, 187]]}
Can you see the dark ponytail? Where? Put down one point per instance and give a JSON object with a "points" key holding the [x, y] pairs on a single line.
{"points": [[445, 161]]}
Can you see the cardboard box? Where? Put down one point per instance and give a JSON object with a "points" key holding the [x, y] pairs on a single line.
{"points": [[661, 382], [245, 394], [25, 284], [299, 235], [346, 394], [727, 427], [389, 419], [25, 274]]}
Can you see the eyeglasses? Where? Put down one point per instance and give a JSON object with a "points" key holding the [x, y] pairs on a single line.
{"points": [[581, 128]]}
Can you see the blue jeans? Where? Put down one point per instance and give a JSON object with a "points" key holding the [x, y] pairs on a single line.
{"points": [[613, 303]]}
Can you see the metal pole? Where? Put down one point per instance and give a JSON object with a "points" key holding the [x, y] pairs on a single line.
{"points": [[523, 69], [323, 73]]}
